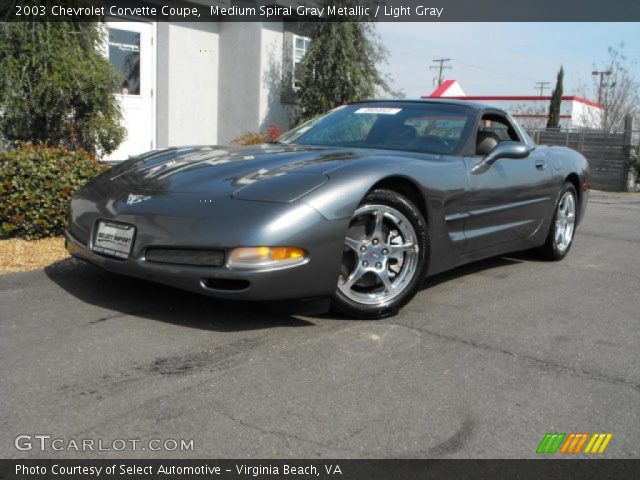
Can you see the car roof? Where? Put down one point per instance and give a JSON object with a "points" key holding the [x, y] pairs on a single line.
{"points": [[438, 101]]}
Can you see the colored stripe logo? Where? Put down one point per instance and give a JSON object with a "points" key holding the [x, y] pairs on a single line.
{"points": [[550, 443], [572, 443], [598, 443]]}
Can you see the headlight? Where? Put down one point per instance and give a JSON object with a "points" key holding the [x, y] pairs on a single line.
{"points": [[265, 257]]}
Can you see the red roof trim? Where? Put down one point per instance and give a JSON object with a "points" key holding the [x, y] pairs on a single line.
{"points": [[521, 98], [586, 102], [442, 88]]}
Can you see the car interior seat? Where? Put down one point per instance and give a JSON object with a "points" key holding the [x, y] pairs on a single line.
{"points": [[402, 135], [485, 142]]}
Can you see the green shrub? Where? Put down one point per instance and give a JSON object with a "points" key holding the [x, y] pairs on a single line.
{"points": [[36, 183]]}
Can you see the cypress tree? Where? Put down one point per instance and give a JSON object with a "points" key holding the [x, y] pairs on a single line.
{"points": [[556, 101]]}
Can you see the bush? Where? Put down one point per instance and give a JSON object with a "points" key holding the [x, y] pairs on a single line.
{"points": [[57, 86], [36, 183], [251, 138]]}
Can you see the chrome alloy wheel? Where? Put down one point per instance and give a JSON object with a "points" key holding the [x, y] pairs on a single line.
{"points": [[380, 255], [565, 222]]}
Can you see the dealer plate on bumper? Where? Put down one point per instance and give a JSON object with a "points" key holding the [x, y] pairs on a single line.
{"points": [[114, 239]]}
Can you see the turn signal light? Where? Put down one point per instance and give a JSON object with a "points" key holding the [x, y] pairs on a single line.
{"points": [[265, 257]]}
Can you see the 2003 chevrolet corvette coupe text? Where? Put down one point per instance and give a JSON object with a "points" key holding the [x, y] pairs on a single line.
{"points": [[353, 208]]}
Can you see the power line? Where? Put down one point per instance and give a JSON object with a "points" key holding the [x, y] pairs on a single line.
{"points": [[542, 86], [440, 68], [494, 72]]}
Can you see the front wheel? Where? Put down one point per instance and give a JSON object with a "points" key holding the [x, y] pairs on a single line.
{"points": [[563, 227], [385, 257]]}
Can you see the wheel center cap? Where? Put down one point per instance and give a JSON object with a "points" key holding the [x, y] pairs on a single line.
{"points": [[375, 254]]}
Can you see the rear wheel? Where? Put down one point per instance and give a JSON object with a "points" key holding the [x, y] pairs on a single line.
{"points": [[385, 257], [563, 227]]}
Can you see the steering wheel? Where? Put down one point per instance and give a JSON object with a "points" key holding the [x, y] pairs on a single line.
{"points": [[437, 143], [441, 141]]}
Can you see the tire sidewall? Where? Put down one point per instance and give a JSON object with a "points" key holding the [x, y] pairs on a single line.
{"points": [[557, 254], [351, 308]]}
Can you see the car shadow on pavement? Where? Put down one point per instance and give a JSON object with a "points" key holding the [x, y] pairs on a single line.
{"points": [[132, 296], [476, 267], [459, 272]]}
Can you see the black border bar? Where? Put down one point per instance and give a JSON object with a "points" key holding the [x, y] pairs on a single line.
{"points": [[584, 469], [334, 10]]}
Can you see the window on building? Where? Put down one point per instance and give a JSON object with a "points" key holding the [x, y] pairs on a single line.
{"points": [[124, 54], [300, 47]]}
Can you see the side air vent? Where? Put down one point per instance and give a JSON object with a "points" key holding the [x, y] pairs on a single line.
{"points": [[185, 256]]}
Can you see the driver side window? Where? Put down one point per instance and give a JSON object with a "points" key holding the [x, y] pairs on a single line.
{"points": [[493, 129]]}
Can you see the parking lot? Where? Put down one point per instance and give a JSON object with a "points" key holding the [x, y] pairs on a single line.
{"points": [[482, 363]]}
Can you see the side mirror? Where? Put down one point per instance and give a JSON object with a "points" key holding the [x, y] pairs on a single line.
{"points": [[505, 149]]}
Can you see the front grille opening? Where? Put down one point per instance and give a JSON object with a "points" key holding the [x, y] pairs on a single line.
{"points": [[228, 284], [185, 256]]}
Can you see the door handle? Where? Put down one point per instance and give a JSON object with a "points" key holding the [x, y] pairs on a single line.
{"points": [[540, 164]]}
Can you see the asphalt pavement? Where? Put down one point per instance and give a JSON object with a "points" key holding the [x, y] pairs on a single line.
{"points": [[482, 363]]}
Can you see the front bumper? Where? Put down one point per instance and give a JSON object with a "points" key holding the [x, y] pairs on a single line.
{"points": [[322, 239]]}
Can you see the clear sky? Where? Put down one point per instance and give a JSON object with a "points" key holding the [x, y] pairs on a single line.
{"points": [[503, 58]]}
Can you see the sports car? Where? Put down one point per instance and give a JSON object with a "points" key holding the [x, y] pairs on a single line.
{"points": [[351, 210]]}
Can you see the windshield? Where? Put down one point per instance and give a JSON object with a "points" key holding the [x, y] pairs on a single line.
{"points": [[416, 127]]}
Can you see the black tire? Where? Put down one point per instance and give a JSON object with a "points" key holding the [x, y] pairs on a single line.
{"points": [[342, 304], [550, 249]]}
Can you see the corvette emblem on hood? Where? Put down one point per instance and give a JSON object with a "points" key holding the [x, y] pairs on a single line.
{"points": [[132, 199]]}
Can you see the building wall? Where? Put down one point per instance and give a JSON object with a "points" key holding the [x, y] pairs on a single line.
{"points": [[533, 114], [188, 71], [251, 75], [162, 85], [240, 75], [273, 56], [586, 116], [217, 81]]}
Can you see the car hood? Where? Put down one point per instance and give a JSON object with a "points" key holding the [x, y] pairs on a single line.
{"points": [[277, 172]]}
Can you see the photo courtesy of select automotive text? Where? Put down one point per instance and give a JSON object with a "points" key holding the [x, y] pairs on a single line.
{"points": [[334, 239]]}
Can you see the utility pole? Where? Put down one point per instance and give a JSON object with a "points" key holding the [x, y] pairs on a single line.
{"points": [[602, 73], [542, 86], [440, 68]]}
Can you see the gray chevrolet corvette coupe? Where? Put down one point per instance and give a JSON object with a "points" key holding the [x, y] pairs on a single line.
{"points": [[352, 209]]}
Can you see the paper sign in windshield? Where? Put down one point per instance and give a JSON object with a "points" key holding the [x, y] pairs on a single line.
{"points": [[379, 110]]}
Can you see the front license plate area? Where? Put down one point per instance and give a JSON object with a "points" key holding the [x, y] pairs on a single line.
{"points": [[114, 239]]}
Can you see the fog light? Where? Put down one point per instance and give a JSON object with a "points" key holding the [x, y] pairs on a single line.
{"points": [[265, 257]]}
